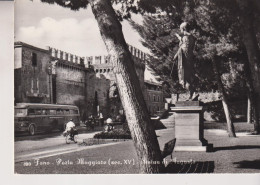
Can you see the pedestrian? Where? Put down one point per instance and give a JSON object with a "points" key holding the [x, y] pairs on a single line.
{"points": [[90, 122]]}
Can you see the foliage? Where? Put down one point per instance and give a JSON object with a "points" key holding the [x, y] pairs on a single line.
{"points": [[114, 134], [217, 113], [217, 36]]}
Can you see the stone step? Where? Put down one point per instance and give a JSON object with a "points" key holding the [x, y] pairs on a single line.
{"points": [[168, 123]]}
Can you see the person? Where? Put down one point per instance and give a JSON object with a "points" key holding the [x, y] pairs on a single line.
{"points": [[185, 57], [90, 122], [109, 125], [70, 128]]}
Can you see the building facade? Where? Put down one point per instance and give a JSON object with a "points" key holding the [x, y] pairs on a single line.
{"points": [[154, 97], [31, 75], [54, 76]]}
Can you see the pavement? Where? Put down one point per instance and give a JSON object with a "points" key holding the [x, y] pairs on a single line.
{"points": [[229, 155]]}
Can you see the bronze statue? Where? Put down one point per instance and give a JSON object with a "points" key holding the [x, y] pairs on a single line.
{"points": [[185, 57]]}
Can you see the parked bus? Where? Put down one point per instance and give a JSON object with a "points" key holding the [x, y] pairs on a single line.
{"points": [[32, 117]]}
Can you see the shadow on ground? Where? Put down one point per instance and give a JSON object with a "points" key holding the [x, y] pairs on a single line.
{"points": [[248, 164], [191, 167], [238, 147]]}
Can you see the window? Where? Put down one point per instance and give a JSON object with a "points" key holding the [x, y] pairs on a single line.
{"points": [[74, 111], [52, 111], [34, 111], [31, 112], [34, 59], [158, 98], [154, 98], [45, 111], [59, 111], [20, 112]]}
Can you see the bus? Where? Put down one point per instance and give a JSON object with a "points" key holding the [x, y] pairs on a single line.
{"points": [[32, 117]]}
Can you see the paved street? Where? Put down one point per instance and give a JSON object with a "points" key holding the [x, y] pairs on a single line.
{"points": [[41, 145], [230, 155]]}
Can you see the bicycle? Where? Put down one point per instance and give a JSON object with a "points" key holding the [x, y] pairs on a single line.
{"points": [[70, 139]]}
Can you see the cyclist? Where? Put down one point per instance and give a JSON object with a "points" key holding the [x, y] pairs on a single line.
{"points": [[70, 128]]}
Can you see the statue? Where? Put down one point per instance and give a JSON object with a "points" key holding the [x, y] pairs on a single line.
{"points": [[184, 56]]}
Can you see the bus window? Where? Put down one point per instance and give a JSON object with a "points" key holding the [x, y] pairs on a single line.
{"points": [[45, 112], [38, 111], [59, 111], [67, 111], [31, 112], [20, 112], [52, 111], [73, 111]]}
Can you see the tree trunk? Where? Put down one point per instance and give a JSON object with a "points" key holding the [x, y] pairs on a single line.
{"points": [[252, 102], [230, 125], [141, 128], [249, 109], [253, 53]]}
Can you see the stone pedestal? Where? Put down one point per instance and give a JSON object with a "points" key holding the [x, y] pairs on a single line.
{"points": [[189, 131]]}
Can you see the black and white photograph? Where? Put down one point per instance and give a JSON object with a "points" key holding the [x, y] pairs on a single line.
{"points": [[136, 87]]}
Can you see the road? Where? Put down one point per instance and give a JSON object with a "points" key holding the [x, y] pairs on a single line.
{"points": [[45, 145], [50, 154]]}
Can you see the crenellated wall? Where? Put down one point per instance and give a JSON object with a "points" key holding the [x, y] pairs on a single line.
{"points": [[63, 78], [62, 55], [69, 75], [105, 78], [138, 56]]}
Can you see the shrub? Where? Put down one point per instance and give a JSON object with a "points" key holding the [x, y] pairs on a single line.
{"points": [[114, 134]]}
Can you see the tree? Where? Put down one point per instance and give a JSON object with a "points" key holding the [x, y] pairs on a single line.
{"points": [[247, 13], [158, 35], [141, 128]]}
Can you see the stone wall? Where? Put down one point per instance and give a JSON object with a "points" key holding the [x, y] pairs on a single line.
{"points": [[104, 81], [32, 80], [70, 83], [63, 78]]}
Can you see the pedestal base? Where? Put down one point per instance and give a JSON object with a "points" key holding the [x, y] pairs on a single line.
{"points": [[189, 127], [190, 148], [194, 145]]}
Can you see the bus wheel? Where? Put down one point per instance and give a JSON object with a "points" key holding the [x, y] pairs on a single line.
{"points": [[31, 130]]}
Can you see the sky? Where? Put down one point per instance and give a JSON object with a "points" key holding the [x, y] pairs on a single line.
{"points": [[76, 32]]}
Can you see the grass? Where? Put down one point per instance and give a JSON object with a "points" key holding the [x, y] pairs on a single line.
{"points": [[239, 126]]}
